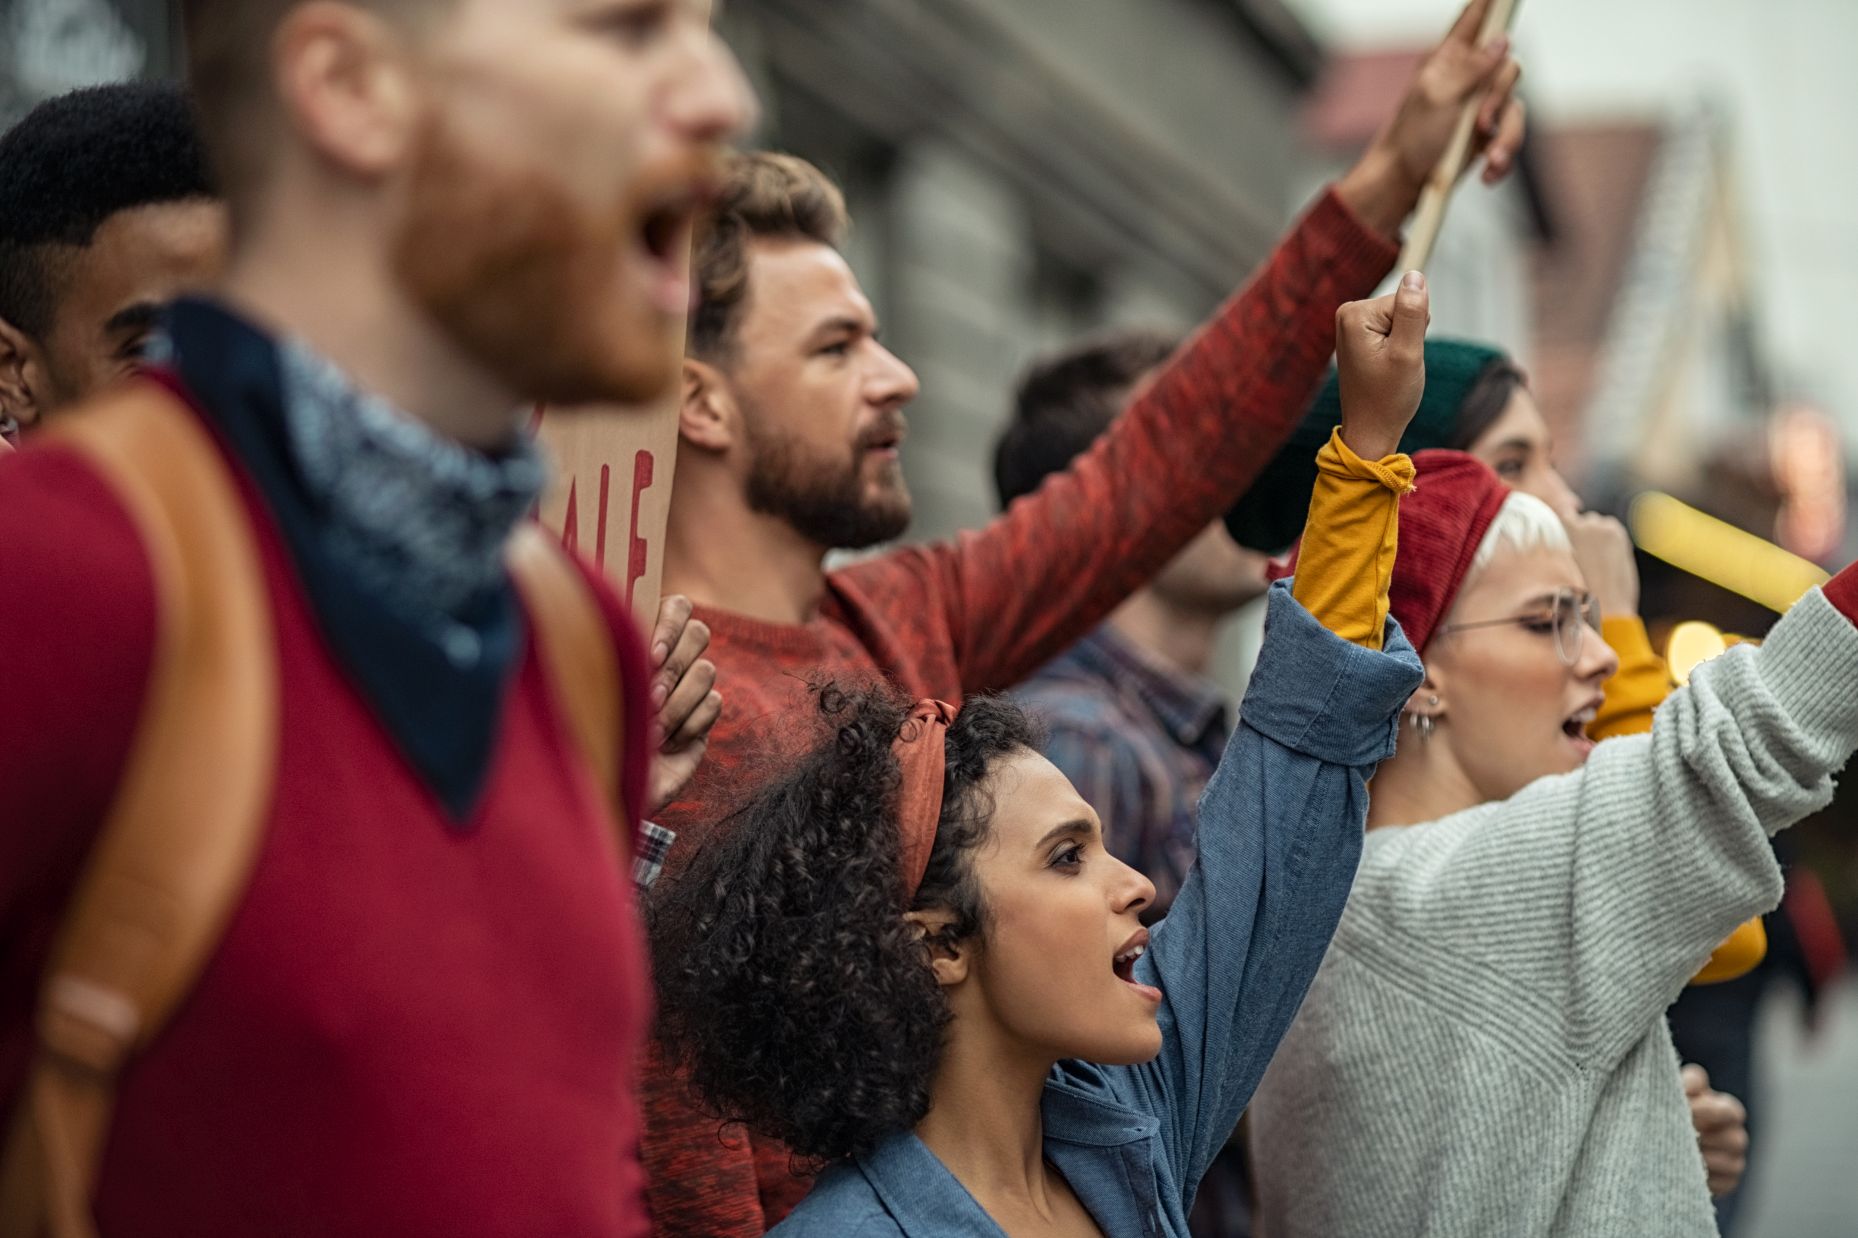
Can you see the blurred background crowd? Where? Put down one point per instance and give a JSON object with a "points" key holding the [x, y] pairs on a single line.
{"points": [[1672, 267]]}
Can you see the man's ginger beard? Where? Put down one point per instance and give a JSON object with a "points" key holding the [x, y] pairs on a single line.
{"points": [[824, 500], [522, 278]]}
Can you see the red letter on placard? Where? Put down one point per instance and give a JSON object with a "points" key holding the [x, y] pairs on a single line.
{"points": [[638, 550], [606, 482], [571, 522]]}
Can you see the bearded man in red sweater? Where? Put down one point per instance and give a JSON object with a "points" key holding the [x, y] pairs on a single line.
{"points": [[424, 1013], [791, 429]]}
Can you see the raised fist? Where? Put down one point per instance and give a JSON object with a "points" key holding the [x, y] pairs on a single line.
{"points": [[1603, 548], [1380, 354]]}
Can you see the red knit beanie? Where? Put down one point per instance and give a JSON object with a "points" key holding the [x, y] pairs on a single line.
{"points": [[1455, 498], [1442, 523]]}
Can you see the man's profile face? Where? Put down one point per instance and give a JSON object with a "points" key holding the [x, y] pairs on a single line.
{"points": [[821, 399], [107, 296], [565, 148]]}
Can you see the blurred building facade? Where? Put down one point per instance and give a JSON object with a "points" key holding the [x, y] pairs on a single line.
{"points": [[1645, 317], [48, 47]]}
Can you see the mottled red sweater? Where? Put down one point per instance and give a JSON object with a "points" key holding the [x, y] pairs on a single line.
{"points": [[412, 1027], [984, 611]]}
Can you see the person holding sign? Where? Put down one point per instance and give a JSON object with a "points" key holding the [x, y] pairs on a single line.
{"points": [[791, 432], [282, 590]]}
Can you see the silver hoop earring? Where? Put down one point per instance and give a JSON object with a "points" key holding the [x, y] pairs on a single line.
{"points": [[1422, 726]]}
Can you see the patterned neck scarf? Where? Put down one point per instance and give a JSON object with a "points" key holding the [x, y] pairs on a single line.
{"points": [[421, 519]]}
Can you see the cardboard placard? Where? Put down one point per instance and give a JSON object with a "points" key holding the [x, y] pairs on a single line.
{"points": [[611, 493]]}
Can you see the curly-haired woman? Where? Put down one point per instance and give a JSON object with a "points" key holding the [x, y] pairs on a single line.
{"points": [[1484, 1050], [914, 962]]}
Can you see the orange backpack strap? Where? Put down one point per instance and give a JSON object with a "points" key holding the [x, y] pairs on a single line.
{"points": [[175, 852], [576, 648]]}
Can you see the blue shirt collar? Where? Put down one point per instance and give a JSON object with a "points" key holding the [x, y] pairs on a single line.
{"points": [[1085, 1136]]}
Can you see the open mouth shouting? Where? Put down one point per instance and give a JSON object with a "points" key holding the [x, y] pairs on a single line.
{"points": [[1124, 961], [1574, 727], [667, 224]]}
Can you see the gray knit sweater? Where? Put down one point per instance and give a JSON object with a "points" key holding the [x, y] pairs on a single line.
{"points": [[1484, 1052]]}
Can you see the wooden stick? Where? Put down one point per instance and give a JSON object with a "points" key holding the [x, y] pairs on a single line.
{"points": [[1430, 216], [610, 497]]}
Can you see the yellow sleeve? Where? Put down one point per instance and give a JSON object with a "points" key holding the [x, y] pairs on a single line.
{"points": [[1633, 695], [1346, 564], [1639, 687]]}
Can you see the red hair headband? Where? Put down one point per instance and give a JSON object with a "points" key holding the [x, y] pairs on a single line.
{"points": [[921, 749]]}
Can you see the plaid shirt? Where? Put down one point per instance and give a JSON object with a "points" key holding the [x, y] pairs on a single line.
{"points": [[1139, 741], [650, 846]]}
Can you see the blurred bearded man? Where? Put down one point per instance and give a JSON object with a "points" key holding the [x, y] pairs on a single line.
{"points": [[790, 440], [423, 1014]]}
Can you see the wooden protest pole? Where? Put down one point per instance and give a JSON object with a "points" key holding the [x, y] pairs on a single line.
{"points": [[610, 497], [1430, 216]]}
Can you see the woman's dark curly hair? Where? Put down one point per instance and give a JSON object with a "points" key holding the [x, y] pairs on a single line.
{"points": [[790, 985]]}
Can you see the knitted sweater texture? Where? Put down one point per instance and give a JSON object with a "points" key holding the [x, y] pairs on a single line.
{"points": [[1484, 1050]]}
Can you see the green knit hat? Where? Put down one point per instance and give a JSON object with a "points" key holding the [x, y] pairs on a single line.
{"points": [[1270, 515]]}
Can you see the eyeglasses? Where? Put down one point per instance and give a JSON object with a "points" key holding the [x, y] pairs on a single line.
{"points": [[1568, 617]]}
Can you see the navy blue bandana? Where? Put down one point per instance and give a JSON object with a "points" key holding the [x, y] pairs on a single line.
{"points": [[396, 534], [420, 518]]}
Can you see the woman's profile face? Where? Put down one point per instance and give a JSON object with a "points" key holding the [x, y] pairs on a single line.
{"points": [[1514, 711], [1518, 447], [1051, 975]]}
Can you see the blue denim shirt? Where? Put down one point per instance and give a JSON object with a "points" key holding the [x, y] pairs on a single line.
{"points": [[1280, 834]]}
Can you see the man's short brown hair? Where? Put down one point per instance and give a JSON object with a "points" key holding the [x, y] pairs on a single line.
{"points": [[1067, 400], [229, 76], [765, 195]]}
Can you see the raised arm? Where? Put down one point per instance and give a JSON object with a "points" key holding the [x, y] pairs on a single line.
{"points": [[1599, 893], [1604, 551], [1034, 581], [1281, 822]]}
